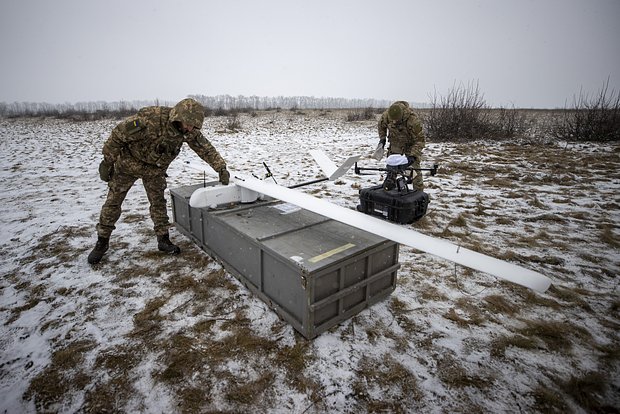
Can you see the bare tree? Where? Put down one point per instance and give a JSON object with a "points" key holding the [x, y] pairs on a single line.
{"points": [[592, 118], [458, 116], [463, 115]]}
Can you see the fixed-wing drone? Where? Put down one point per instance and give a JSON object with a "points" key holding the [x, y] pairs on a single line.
{"points": [[247, 189]]}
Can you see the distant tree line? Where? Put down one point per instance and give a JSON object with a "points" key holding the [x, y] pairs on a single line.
{"points": [[77, 111], [227, 102], [460, 115], [221, 104]]}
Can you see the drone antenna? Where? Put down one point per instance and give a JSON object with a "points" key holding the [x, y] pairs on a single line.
{"points": [[269, 174]]}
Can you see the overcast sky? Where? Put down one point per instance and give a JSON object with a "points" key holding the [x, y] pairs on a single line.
{"points": [[536, 53]]}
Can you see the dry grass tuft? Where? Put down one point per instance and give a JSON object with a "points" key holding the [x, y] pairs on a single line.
{"points": [[458, 221], [504, 221], [194, 399], [499, 345], [499, 304], [499, 182], [587, 390], [385, 386], [246, 393], [573, 296], [188, 357], [533, 258], [109, 396], [552, 218], [548, 400], [472, 317], [296, 358], [533, 201], [453, 373], [608, 236], [556, 335], [401, 313], [181, 358], [428, 292], [63, 375], [147, 322]]}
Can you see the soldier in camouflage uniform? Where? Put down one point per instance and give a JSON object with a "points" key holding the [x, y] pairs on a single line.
{"points": [[405, 134], [142, 147]]}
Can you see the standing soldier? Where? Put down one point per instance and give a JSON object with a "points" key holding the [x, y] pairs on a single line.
{"points": [[405, 134], [142, 147]]}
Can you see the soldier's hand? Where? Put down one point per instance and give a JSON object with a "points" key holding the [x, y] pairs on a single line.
{"points": [[224, 176], [382, 143], [106, 170]]}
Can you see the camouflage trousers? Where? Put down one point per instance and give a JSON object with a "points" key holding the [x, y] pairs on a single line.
{"points": [[418, 183], [118, 187]]}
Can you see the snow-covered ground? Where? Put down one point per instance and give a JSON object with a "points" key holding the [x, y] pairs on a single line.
{"points": [[143, 332]]}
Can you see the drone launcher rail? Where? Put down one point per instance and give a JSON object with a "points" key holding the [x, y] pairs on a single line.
{"points": [[313, 271]]}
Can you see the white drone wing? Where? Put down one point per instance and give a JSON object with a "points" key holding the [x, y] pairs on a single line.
{"points": [[412, 238], [329, 168]]}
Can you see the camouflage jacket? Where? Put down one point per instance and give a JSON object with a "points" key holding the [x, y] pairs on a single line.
{"points": [[146, 143], [406, 137]]}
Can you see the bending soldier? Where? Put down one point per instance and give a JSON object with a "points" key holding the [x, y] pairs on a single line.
{"points": [[142, 147], [403, 128]]}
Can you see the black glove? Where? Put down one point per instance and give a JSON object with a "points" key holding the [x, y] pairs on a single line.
{"points": [[224, 176], [106, 170], [410, 160], [382, 142]]}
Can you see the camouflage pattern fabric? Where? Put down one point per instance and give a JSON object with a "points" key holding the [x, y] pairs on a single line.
{"points": [[152, 142], [188, 111], [119, 185], [405, 136], [142, 147], [417, 181]]}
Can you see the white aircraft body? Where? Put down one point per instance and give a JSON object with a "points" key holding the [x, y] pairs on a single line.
{"points": [[248, 189]]}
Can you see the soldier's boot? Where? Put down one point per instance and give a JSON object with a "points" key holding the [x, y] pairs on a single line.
{"points": [[165, 245], [100, 248]]}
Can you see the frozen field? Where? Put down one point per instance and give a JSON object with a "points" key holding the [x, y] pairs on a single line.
{"points": [[144, 332]]}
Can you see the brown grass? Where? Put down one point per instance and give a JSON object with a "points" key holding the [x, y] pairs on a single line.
{"points": [[401, 313], [587, 389], [397, 385], [451, 371], [609, 237], [547, 400], [428, 292], [499, 345], [211, 327], [499, 304], [61, 376], [557, 336]]}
